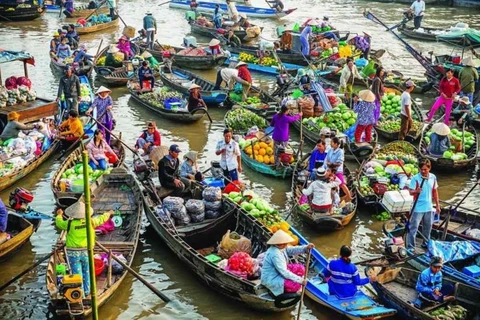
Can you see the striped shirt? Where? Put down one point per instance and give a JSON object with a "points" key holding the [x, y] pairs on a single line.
{"points": [[344, 278]]}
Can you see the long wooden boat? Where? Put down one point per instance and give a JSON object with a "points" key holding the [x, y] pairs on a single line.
{"points": [[97, 27], [292, 58], [115, 77], [209, 31], [20, 230], [82, 11], [59, 68], [204, 6], [449, 165], [21, 12], [117, 191], [182, 115], [272, 70], [67, 198], [396, 288], [436, 34], [180, 80], [318, 221]]}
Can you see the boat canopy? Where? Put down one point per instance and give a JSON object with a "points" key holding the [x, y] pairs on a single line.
{"points": [[9, 56], [451, 251]]}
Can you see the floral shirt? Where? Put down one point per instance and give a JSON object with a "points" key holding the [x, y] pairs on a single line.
{"points": [[365, 112]]}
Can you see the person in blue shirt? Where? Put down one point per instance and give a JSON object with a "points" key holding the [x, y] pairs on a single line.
{"points": [[317, 158], [429, 284], [424, 186], [146, 73], [72, 36], [82, 57], [439, 141], [343, 276], [217, 16]]}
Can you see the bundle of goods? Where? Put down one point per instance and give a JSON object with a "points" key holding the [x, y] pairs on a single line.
{"points": [[451, 312], [323, 27], [101, 60], [240, 120], [340, 118], [390, 114], [334, 100], [299, 270], [196, 210], [85, 98], [252, 101], [231, 243], [177, 210], [163, 97], [306, 104], [250, 58], [212, 201], [68, 60], [457, 136], [197, 52], [253, 31], [16, 90], [72, 178], [240, 264], [94, 20]]}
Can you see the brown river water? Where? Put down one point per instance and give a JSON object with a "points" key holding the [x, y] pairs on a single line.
{"points": [[28, 298]]}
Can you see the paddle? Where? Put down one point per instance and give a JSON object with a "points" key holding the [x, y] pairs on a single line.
{"points": [[98, 49], [304, 286], [95, 11], [161, 4]]}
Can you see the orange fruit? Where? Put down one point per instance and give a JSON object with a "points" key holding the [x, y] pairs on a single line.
{"points": [[262, 151]]}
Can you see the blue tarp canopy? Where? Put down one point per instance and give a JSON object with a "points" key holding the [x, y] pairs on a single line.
{"points": [[453, 250], [9, 56]]}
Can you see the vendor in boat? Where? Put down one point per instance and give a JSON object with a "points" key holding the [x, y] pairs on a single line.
{"points": [[145, 74], [63, 50], [439, 140], [429, 284], [4, 236], [406, 120], [321, 189], [335, 159], [227, 75], [76, 239], [14, 127], [343, 276], [217, 16], [277, 5], [274, 269], [82, 57], [54, 43], [189, 168], [305, 37], [365, 109], [427, 195], [233, 40], [72, 36], [243, 21], [347, 78], [378, 90], [110, 60], [69, 88], [468, 78], [150, 26], [98, 149], [232, 11], [245, 78], [72, 128], [169, 173], [418, 8], [286, 41], [214, 46], [281, 132], [464, 112], [149, 139], [449, 88], [230, 156], [152, 62], [104, 104], [124, 46], [317, 158], [195, 100]]}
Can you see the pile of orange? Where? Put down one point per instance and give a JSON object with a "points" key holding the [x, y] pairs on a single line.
{"points": [[285, 227], [261, 152]]}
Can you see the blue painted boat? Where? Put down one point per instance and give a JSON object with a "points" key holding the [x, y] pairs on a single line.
{"points": [[291, 68], [208, 7], [51, 8], [360, 306]]}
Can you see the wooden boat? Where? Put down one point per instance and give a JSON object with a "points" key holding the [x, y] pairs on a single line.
{"points": [[290, 58], [180, 115], [97, 27], [444, 164], [66, 198], [436, 34], [396, 288], [209, 31], [267, 169], [20, 230], [20, 12], [180, 80], [273, 70], [429, 34], [119, 191], [114, 77], [204, 6], [267, 111], [59, 68], [321, 221], [82, 11]]}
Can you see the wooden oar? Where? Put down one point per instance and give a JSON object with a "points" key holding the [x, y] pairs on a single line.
{"points": [[304, 286], [95, 11], [98, 49], [161, 4]]}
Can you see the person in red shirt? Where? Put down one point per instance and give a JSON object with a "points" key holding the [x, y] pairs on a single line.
{"points": [[449, 88], [149, 139], [246, 78]]}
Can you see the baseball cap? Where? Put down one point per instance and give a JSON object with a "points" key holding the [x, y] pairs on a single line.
{"points": [[174, 148], [410, 84]]}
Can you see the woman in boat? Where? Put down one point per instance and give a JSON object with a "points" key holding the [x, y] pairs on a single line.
{"points": [[227, 75], [71, 129], [233, 40], [335, 159], [124, 46], [321, 189], [449, 88], [63, 50], [439, 141], [317, 158], [189, 169], [104, 105], [365, 110], [97, 151], [464, 112], [281, 132], [14, 127], [54, 43], [76, 239], [149, 139], [378, 89], [4, 236], [347, 78], [274, 269], [145, 73], [343, 276], [110, 60], [304, 38], [214, 46], [429, 284], [195, 100]]}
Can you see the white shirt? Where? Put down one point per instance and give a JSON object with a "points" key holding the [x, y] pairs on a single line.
{"points": [[406, 101], [232, 11], [228, 75], [228, 159], [418, 8], [322, 191]]}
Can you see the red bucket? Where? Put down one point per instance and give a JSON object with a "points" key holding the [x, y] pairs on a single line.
{"points": [[99, 266], [456, 59]]}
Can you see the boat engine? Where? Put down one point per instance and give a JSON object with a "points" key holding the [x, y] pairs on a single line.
{"points": [[217, 171], [142, 169], [20, 199], [71, 288], [394, 249]]}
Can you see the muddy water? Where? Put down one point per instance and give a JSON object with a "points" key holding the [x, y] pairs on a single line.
{"points": [[27, 298]]}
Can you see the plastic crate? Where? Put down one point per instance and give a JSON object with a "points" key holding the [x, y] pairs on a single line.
{"points": [[473, 271]]}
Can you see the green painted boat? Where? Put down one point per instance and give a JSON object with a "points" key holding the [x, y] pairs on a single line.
{"points": [[265, 168]]}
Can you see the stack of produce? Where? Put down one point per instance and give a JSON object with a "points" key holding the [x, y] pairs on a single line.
{"points": [[390, 114], [251, 101], [451, 312], [467, 137], [94, 20], [212, 200], [240, 120], [177, 210], [14, 94], [241, 262], [196, 210], [259, 150], [72, 178], [17, 152], [250, 58], [197, 52], [101, 60], [85, 98], [158, 96], [340, 118]]}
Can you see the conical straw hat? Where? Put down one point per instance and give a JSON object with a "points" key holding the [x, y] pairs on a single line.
{"points": [[280, 237], [77, 210]]}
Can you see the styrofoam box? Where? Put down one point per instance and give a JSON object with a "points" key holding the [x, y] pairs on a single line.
{"points": [[397, 201]]}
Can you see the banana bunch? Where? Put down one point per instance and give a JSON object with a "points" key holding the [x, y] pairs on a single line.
{"points": [[268, 61], [246, 57]]}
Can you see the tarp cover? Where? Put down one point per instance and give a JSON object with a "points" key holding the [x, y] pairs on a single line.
{"points": [[453, 250], [8, 56], [470, 34]]}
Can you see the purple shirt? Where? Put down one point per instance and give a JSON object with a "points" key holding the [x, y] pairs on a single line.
{"points": [[281, 124], [101, 105]]}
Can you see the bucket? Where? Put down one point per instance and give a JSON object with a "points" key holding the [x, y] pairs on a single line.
{"points": [[99, 266], [456, 59]]}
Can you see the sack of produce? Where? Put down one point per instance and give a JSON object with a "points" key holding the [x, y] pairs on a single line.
{"points": [[181, 217], [306, 103], [212, 205], [299, 270], [162, 213], [173, 204], [195, 207], [197, 217], [212, 214], [233, 242], [240, 264], [212, 194]]}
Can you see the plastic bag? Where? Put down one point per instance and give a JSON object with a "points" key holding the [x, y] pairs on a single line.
{"points": [[195, 207], [197, 217], [180, 213], [212, 205], [233, 242], [182, 219], [212, 194], [162, 212], [299, 270], [212, 214], [173, 204]]}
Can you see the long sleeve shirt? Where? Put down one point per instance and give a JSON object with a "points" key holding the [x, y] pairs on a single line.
{"points": [[229, 75], [314, 157], [449, 87], [75, 127], [428, 281], [168, 170], [281, 124], [149, 23], [322, 191], [97, 152], [465, 111], [77, 231], [378, 88], [3, 217], [244, 74], [186, 169], [286, 41], [365, 112], [274, 269], [335, 156], [144, 73], [348, 76], [69, 86], [468, 76], [438, 145], [82, 55], [418, 8], [103, 114], [344, 278], [63, 51], [153, 138]]}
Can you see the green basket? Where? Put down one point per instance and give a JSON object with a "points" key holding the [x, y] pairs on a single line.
{"points": [[213, 258]]}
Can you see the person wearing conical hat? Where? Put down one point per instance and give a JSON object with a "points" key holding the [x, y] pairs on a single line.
{"points": [[365, 109], [274, 269], [195, 98], [468, 77], [104, 104], [189, 168], [464, 112], [439, 141], [214, 46], [114, 58], [14, 127], [76, 239], [146, 76]]}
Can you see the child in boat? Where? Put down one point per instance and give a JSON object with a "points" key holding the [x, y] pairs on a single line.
{"points": [[321, 189]]}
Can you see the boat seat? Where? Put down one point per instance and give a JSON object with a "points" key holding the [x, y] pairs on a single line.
{"points": [[163, 192]]}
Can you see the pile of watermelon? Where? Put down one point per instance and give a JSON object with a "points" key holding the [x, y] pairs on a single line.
{"points": [[391, 104], [242, 262], [340, 118]]}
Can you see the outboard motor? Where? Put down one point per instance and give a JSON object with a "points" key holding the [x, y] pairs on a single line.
{"points": [[217, 171], [20, 199], [394, 248]]}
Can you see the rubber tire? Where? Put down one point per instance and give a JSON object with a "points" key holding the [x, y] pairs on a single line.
{"points": [[363, 151]]}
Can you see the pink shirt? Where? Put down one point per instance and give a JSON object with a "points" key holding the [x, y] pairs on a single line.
{"points": [[98, 152]]}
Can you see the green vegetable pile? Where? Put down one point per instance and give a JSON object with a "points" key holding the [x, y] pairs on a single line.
{"points": [[258, 208], [456, 312], [393, 125], [468, 138], [340, 118], [390, 105], [384, 216], [240, 120], [158, 97]]}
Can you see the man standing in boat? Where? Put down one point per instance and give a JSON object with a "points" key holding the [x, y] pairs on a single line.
{"points": [[418, 8], [406, 120], [70, 88], [231, 160], [232, 11], [150, 26]]}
